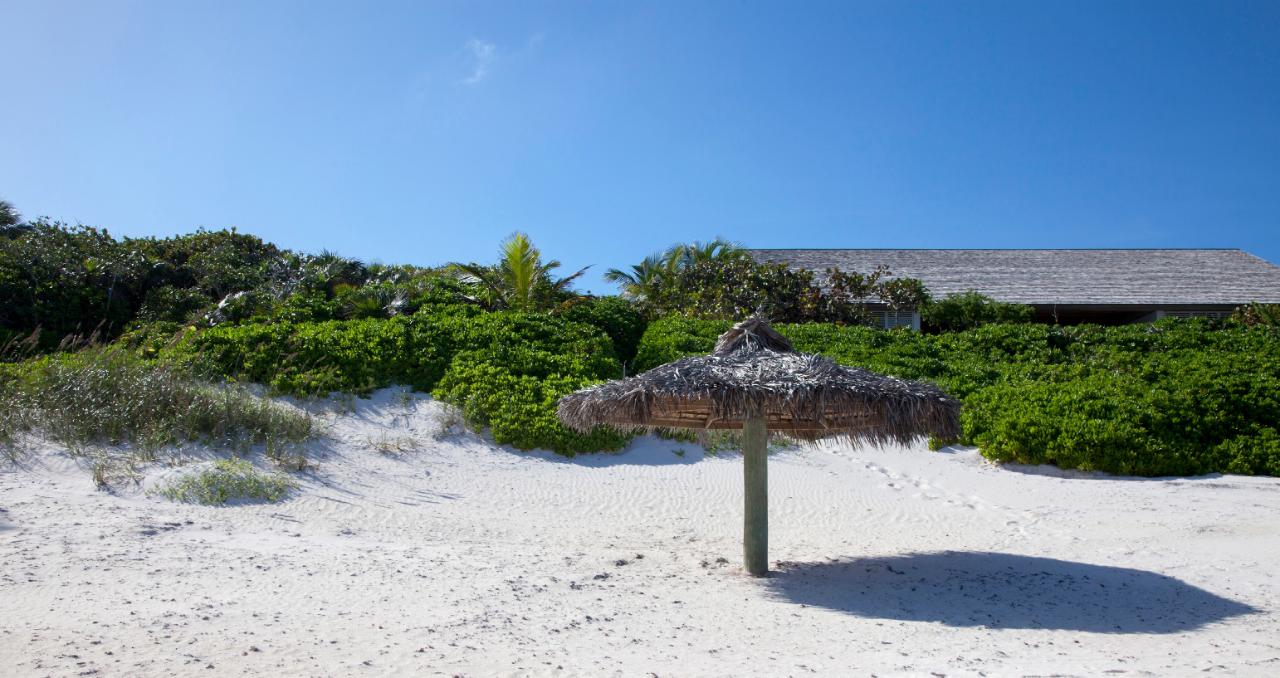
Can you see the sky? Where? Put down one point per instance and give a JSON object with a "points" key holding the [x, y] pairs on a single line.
{"points": [[427, 132]]}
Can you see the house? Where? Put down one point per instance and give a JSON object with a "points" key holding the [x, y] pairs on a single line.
{"points": [[1107, 286]]}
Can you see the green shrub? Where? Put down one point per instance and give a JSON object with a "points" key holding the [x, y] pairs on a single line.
{"points": [[522, 366], [1172, 398], [675, 337], [735, 287], [731, 285], [1258, 314], [81, 281], [970, 309], [386, 292], [307, 306], [1255, 453], [1130, 424], [505, 370], [310, 359], [519, 409], [67, 280], [616, 317], [149, 339], [239, 307], [505, 330], [172, 304], [228, 480]]}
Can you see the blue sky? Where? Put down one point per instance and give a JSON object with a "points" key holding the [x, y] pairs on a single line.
{"points": [[426, 132]]}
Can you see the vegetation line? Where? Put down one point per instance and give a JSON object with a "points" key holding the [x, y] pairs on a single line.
{"points": [[172, 324]]}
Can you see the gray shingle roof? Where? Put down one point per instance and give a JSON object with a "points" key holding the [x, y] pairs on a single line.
{"points": [[1082, 276]]}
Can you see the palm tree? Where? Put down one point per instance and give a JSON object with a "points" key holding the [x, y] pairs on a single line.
{"points": [[8, 214], [638, 283], [336, 270], [520, 280], [643, 278], [698, 252], [10, 221]]}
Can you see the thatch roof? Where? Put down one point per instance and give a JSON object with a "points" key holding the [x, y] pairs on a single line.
{"points": [[755, 371]]}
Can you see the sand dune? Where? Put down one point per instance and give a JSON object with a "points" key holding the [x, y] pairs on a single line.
{"points": [[446, 554]]}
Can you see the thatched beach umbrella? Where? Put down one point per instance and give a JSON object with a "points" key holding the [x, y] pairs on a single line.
{"points": [[755, 381]]}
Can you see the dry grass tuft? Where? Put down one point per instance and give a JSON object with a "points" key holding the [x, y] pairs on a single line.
{"points": [[392, 445]]}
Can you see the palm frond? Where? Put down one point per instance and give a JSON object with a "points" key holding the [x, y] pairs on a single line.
{"points": [[614, 275], [564, 282]]}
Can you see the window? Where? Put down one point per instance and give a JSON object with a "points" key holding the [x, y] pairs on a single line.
{"points": [[886, 319], [1193, 314]]}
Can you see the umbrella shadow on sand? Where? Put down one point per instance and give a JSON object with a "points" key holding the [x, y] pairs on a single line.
{"points": [[1003, 591]]}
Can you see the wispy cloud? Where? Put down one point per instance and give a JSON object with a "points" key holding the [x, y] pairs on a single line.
{"points": [[481, 55]]}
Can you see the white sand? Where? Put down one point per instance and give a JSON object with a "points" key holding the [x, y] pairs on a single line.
{"points": [[461, 557]]}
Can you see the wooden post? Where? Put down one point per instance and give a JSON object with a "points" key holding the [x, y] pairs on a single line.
{"points": [[755, 534]]}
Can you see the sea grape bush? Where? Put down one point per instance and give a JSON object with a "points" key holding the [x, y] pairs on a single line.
{"points": [[1174, 398], [519, 409], [316, 358], [615, 316], [970, 309], [676, 337], [503, 370], [510, 369], [358, 356]]}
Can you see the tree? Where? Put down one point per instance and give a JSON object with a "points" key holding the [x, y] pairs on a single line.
{"points": [[698, 252], [643, 278], [1255, 314], [334, 271], [11, 225], [732, 287], [520, 280], [68, 280], [9, 214]]}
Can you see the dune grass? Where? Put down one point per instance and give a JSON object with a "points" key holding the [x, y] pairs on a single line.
{"points": [[110, 396], [228, 480]]}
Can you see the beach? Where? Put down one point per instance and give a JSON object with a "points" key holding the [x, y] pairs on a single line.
{"points": [[413, 547]]}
